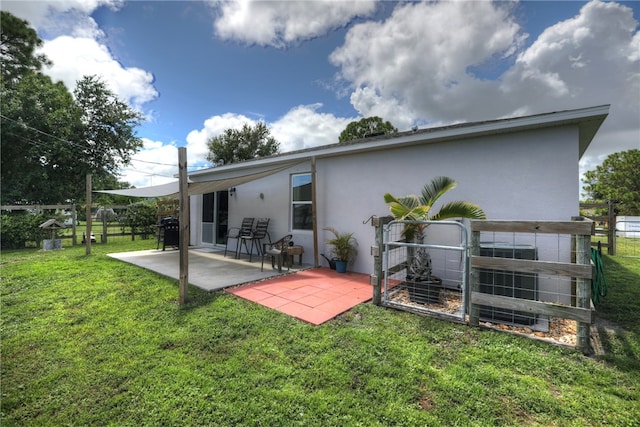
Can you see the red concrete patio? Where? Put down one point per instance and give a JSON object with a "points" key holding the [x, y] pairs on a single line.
{"points": [[314, 296]]}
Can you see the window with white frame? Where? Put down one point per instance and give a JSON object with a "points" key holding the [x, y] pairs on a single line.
{"points": [[301, 202]]}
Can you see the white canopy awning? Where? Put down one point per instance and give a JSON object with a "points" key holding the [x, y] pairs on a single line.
{"points": [[153, 191], [210, 186]]}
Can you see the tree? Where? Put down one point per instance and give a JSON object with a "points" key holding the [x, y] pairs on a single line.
{"points": [[236, 145], [18, 43], [108, 131], [49, 139], [617, 179], [40, 164], [369, 126]]}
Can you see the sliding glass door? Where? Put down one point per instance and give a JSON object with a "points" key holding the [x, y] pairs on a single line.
{"points": [[215, 214]]}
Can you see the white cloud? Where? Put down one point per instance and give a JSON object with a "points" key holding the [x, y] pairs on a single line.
{"points": [[282, 23], [590, 59], [415, 67], [74, 57], [301, 127], [369, 103], [419, 58], [418, 66], [61, 16], [584, 60], [156, 163], [197, 139], [304, 127], [71, 41]]}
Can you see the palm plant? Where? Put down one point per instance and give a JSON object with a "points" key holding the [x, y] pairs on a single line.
{"points": [[418, 208], [345, 246]]}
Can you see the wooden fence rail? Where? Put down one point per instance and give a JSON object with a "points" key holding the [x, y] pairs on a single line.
{"points": [[609, 220], [580, 271], [103, 226]]}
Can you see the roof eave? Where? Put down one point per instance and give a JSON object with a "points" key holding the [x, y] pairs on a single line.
{"points": [[587, 119]]}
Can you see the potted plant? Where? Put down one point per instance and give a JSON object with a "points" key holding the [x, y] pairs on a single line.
{"points": [[422, 285], [344, 248]]}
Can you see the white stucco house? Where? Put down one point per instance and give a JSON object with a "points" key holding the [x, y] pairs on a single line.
{"points": [[523, 168]]}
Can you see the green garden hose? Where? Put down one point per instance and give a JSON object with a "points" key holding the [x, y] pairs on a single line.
{"points": [[599, 285]]}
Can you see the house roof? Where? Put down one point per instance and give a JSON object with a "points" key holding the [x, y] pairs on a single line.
{"points": [[216, 178], [588, 121]]}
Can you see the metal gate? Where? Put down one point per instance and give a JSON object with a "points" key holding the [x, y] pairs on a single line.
{"points": [[428, 274]]}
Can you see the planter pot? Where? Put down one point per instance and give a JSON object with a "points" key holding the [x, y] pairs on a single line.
{"points": [[51, 244], [425, 291], [341, 266]]}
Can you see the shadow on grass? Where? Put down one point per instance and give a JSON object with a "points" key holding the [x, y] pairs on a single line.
{"points": [[197, 297], [621, 348], [620, 311]]}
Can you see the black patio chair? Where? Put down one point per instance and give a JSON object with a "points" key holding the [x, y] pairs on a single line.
{"points": [[256, 236], [237, 232], [276, 250]]}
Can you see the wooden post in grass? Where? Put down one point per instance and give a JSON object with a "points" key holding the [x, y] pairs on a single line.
{"points": [[184, 224], [474, 280], [87, 238], [314, 218], [611, 227], [74, 224], [105, 230], [377, 251], [583, 291]]}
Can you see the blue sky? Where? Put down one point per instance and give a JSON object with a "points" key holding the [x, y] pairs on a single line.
{"points": [[308, 68]]}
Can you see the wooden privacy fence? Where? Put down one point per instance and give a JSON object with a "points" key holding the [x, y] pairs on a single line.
{"points": [[577, 268]]}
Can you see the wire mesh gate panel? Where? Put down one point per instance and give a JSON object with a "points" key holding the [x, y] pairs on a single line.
{"points": [[533, 277], [627, 242], [429, 273]]}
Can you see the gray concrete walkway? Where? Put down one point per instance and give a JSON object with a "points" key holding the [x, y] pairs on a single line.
{"points": [[208, 268]]}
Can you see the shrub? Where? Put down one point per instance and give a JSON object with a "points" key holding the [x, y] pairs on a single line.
{"points": [[141, 217], [18, 228]]}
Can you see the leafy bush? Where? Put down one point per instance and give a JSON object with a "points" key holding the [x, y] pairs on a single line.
{"points": [[18, 228], [141, 217]]}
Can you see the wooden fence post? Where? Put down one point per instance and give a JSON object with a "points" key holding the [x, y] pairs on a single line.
{"points": [[583, 291], [105, 231], [611, 230], [184, 225], [74, 224], [474, 278], [377, 251], [88, 210]]}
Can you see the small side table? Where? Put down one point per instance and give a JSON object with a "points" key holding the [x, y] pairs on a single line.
{"points": [[294, 250]]}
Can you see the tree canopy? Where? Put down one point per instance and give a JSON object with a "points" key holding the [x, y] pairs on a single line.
{"points": [[369, 126], [18, 43], [50, 139], [236, 145], [617, 179]]}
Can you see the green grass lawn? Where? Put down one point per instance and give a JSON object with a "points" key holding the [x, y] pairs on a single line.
{"points": [[88, 340]]}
